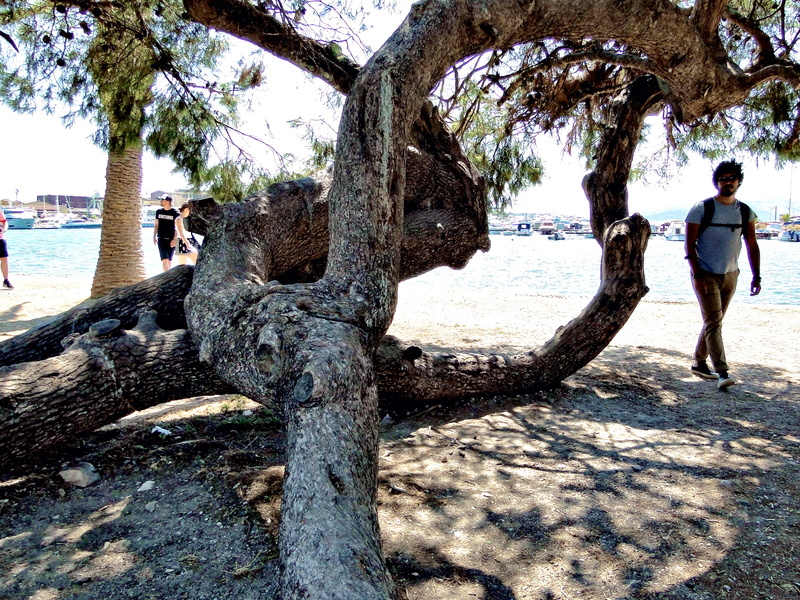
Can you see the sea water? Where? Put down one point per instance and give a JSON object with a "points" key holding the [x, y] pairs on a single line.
{"points": [[571, 267], [531, 265]]}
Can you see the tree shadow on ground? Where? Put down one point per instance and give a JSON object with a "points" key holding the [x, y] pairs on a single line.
{"points": [[630, 480], [13, 322]]}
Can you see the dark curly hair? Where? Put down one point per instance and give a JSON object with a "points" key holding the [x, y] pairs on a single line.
{"points": [[728, 167]]}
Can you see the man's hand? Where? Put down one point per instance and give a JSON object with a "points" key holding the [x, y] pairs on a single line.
{"points": [[755, 286]]}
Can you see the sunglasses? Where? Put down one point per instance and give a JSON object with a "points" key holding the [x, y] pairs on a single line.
{"points": [[727, 178]]}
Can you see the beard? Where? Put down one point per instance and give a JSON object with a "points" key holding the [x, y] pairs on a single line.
{"points": [[726, 192]]}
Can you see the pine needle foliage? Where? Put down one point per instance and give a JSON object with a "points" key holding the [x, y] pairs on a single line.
{"points": [[138, 69]]}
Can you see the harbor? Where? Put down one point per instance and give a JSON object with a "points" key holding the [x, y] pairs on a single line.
{"points": [[529, 264]]}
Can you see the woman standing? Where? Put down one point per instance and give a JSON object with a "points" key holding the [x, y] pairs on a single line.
{"points": [[4, 252], [187, 246]]}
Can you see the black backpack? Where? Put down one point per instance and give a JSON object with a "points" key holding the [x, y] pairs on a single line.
{"points": [[708, 214]]}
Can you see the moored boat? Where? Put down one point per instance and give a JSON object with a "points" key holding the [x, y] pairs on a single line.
{"points": [[20, 218], [82, 224], [547, 227], [676, 232], [48, 223], [524, 229]]}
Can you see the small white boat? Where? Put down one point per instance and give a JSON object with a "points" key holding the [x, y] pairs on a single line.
{"points": [[789, 236], [547, 227], [556, 236], [20, 218], [52, 220], [81, 223], [676, 232], [524, 229], [48, 223]]}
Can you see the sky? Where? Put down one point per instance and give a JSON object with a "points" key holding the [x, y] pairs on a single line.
{"points": [[41, 156], [763, 187]]}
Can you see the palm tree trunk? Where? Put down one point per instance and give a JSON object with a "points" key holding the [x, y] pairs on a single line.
{"points": [[121, 259]]}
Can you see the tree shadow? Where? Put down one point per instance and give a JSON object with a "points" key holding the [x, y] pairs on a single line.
{"points": [[10, 317], [630, 480], [412, 571], [625, 482]]}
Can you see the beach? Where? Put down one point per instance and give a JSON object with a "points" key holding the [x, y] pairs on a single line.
{"points": [[502, 321], [632, 479]]}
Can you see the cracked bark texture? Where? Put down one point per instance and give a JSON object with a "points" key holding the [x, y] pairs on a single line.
{"points": [[307, 347], [103, 375], [275, 332]]}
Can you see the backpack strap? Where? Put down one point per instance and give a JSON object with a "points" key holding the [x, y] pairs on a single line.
{"points": [[745, 210], [708, 215]]}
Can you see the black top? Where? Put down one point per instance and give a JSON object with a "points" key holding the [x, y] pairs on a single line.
{"points": [[166, 222]]}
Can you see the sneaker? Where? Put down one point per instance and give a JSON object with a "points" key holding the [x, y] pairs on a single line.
{"points": [[7, 284], [724, 382], [702, 370]]}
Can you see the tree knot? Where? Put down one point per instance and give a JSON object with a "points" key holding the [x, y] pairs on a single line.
{"points": [[308, 390], [105, 329]]}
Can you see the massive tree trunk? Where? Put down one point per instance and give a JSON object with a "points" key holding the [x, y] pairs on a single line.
{"points": [[260, 316], [104, 374], [306, 349]]}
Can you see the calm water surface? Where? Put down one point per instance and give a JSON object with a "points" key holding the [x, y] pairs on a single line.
{"points": [[572, 268], [520, 264]]}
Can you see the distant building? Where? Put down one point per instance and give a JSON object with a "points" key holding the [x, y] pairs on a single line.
{"points": [[178, 197], [67, 203]]}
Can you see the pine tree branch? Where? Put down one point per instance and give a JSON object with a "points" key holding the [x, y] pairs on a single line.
{"points": [[247, 22]]}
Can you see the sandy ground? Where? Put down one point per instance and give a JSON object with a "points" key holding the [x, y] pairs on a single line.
{"points": [[632, 480], [470, 320]]}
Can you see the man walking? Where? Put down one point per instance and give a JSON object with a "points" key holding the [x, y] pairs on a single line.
{"points": [[165, 233], [4, 252], [714, 231]]}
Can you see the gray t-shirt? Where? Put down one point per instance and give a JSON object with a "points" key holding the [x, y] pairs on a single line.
{"points": [[718, 248]]}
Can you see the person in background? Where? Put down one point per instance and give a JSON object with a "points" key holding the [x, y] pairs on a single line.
{"points": [[165, 231], [187, 246], [4, 252], [712, 249]]}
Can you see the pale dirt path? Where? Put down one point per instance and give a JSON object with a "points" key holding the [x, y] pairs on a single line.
{"points": [[475, 321]]}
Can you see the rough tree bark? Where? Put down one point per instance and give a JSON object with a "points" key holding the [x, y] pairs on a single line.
{"points": [[162, 294], [121, 260], [307, 349], [106, 373]]}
